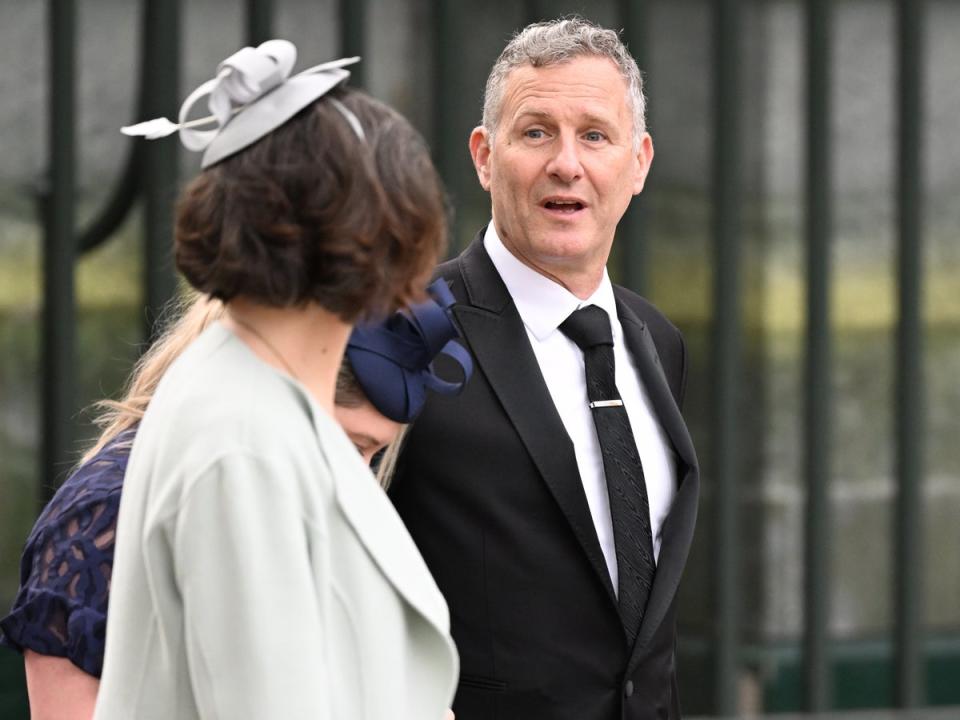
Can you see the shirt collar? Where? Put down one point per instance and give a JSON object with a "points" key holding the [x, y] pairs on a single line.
{"points": [[542, 303]]}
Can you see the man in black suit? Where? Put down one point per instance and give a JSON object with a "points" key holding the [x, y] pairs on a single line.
{"points": [[555, 500]]}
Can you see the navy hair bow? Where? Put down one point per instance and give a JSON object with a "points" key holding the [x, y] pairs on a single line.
{"points": [[393, 359]]}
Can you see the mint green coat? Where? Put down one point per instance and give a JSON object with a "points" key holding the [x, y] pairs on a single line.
{"points": [[260, 571]]}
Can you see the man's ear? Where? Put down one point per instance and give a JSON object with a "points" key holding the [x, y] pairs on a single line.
{"points": [[480, 152], [642, 163]]}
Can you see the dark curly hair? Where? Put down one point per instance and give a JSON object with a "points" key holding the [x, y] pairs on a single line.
{"points": [[311, 212]]}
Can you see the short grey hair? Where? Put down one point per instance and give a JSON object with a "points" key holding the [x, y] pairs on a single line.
{"points": [[558, 41]]}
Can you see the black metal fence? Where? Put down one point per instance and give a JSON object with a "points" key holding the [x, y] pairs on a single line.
{"points": [[150, 176]]}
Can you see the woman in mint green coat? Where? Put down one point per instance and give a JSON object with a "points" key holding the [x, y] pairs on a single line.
{"points": [[259, 569]]}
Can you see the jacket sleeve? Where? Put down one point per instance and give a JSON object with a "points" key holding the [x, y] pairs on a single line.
{"points": [[253, 615]]}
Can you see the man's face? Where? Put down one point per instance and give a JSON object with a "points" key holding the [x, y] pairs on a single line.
{"points": [[561, 169]]}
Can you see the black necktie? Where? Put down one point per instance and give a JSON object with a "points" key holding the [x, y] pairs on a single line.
{"points": [[589, 328]]}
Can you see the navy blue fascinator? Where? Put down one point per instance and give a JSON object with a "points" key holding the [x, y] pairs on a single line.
{"points": [[393, 359]]}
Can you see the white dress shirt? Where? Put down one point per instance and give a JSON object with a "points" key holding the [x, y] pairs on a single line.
{"points": [[543, 305]]}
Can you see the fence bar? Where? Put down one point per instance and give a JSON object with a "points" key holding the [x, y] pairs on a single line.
{"points": [[632, 231], [259, 21], [817, 692], [161, 68], [59, 252], [910, 388], [353, 23], [448, 142], [536, 11], [726, 344]]}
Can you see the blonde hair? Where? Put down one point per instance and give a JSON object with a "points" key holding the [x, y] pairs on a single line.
{"points": [[191, 316], [388, 462], [193, 313]]}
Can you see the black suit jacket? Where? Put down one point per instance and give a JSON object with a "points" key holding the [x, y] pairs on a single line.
{"points": [[489, 488]]}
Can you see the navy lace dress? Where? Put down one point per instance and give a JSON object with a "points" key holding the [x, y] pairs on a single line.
{"points": [[61, 606]]}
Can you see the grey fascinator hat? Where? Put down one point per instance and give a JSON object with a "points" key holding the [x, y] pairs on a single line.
{"points": [[251, 94]]}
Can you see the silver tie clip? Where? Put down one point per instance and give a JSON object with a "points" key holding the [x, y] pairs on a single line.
{"points": [[606, 403]]}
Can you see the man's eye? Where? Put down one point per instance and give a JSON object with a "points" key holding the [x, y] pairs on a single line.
{"points": [[594, 136], [534, 133]]}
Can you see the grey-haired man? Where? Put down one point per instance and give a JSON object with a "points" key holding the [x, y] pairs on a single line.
{"points": [[555, 500]]}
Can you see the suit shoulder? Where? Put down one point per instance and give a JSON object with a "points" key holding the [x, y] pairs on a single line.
{"points": [[449, 270], [647, 312], [666, 337], [451, 273]]}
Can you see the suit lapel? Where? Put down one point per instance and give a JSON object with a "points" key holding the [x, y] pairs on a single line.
{"points": [[677, 532], [644, 352], [496, 335]]}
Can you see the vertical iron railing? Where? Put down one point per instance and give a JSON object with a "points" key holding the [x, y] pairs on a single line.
{"points": [[353, 23], [150, 172], [58, 199], [537, 11], [632, 240], [258, 21], [161, 35], [448, 43], [819, 215], [910, 388], [725, 344]]}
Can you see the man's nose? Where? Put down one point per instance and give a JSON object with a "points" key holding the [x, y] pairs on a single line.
{"points": [[564, 164]]}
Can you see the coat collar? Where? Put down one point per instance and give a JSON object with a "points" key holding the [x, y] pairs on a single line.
{"points": [[376, 524], [491, 323]]}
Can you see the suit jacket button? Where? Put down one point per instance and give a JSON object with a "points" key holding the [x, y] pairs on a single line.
{"points": [[628, 688]]}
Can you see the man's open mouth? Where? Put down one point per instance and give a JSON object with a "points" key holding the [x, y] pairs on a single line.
{"points": [[564, 206]]}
